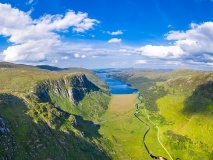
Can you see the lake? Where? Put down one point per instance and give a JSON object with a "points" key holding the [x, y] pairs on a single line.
{"points": [[117, 86]]}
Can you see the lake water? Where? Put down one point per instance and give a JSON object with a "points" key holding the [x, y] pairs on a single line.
{"points": [[117, 86]]}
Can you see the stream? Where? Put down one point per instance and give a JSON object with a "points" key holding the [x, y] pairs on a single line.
{"points": [[148, 128], [120, 87]]}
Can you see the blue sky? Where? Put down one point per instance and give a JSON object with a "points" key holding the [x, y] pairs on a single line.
{"points": [[108, 33]]}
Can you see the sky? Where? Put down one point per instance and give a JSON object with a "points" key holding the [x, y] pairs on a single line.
{"points": [[158, 34]]}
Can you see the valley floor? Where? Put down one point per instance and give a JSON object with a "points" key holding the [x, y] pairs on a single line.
{"points": [[125, 131]]}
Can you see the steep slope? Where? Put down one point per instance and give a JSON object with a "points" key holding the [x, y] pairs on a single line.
{"points": [[180, 103], [41, 115]]}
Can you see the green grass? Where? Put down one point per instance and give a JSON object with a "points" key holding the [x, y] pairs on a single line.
{"points": [[125, 131], [184, 112]]}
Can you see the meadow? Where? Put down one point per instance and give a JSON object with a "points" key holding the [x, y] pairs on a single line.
{"points": [[125, 131]]}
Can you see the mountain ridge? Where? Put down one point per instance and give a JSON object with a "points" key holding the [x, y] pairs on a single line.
{"points": [[50, 114]]}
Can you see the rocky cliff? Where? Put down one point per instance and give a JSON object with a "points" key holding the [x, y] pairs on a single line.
{"points": [[75, 87]]}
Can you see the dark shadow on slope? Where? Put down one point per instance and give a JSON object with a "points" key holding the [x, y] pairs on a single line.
{"points": [[22, 138], [88, 128], [199, 101], [51, 68]]}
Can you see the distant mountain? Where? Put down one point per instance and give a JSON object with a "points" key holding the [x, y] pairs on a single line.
{"points": [[50, 68], [17, 66]]}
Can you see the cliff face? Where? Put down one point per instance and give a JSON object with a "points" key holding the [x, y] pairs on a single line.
{"points": [[75, 87]]}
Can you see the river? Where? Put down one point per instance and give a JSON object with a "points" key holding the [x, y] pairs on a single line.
{"points": [[117, 86]]}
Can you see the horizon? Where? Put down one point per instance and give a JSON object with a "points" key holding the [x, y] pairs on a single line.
{"points": [[111, 68], [107, 34]]}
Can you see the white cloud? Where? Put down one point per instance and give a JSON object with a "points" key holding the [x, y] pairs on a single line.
{"points": [[76, 55], [160, 51], [173, 63], [85, 24], [123, 50], [34, 39], [119, 64], [140, 61], [87, 49], [114, 40], [193, 46], [198, 39], [55, 61], [118, 32], [30, 51], [65, 58], [83, 56], [175, 35], [30, 2]]}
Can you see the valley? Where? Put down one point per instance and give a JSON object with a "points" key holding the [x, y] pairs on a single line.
{"points": [[52, 113], [106, 80]]}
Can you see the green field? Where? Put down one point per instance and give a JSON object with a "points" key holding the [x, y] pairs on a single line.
{"points": [[125, 131]]}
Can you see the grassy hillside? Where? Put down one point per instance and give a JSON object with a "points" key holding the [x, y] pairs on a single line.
{"points": [[180, 103], [51, 114]]}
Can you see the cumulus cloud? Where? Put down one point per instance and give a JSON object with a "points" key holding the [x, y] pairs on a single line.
{"points": [[160, 51], [192, 46], [30, 51], [76, 55], [114, 40], [65, 57], [118, 32], [199, 39], [34, 39], [83, 56], [140, 61]]}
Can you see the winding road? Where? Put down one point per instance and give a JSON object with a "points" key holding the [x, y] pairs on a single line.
{"points": [[148, 128]]}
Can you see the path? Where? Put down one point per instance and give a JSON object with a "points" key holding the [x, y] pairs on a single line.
{"points": [[144, 137]]}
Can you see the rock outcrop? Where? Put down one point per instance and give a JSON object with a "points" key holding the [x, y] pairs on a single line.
{"points": [[75, 87]]}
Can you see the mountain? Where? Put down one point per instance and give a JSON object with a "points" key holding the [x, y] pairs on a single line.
{"points": [[51, 114], [50, 68]]}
